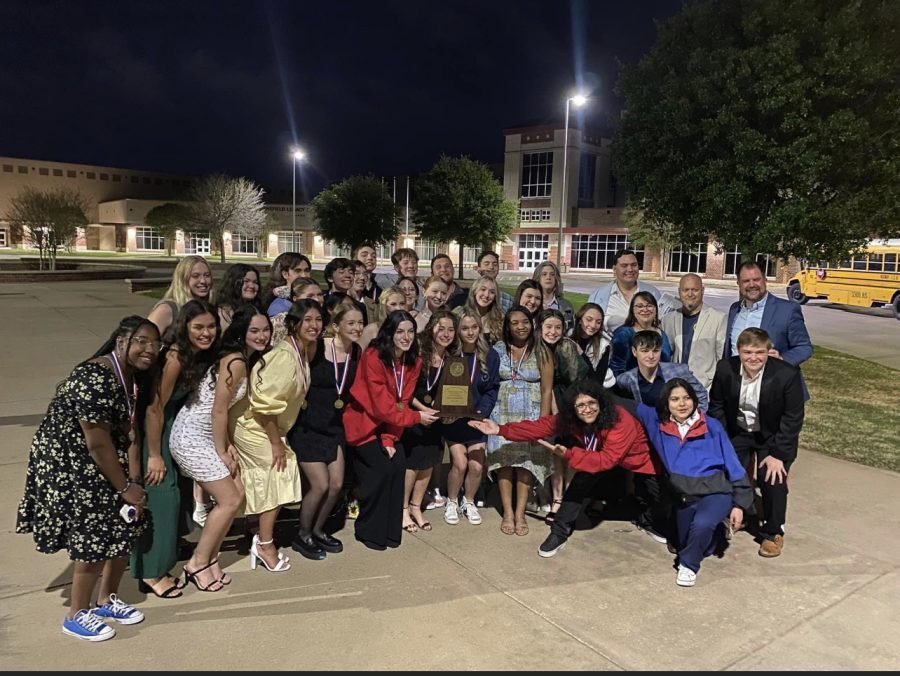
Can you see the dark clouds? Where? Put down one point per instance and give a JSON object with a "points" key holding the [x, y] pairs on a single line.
{"points": [[380, 87]]}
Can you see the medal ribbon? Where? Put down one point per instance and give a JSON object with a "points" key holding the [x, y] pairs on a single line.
{"points": [[429, 383], [517, 366], [302, 357], [472, 369], [590, 442], [340, 383], [129, 402], [399, 381]]}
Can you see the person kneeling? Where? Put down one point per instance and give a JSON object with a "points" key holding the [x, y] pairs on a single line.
{"points": [[596, 436], [704, 472]]}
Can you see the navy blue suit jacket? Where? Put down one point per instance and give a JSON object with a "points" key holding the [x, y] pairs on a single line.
{"points": [[783, 321]]}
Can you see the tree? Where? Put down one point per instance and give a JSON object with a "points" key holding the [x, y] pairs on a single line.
{"points": [[650, 233], [460, 200], [773, 125], [168, 218], [50, 218], [358, 210], [221, 203]]}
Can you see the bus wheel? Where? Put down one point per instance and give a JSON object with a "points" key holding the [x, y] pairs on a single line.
{"points": [[895, 306], [796, 295]]}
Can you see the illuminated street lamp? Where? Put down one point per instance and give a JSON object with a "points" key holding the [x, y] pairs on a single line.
{"points": [[579, 100], [297, 156]]}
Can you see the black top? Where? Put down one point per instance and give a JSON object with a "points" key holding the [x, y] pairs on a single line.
{"points": [[320, 415]]}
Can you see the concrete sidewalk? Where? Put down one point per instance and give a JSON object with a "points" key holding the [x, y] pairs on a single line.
{"points": [[458, 597]]}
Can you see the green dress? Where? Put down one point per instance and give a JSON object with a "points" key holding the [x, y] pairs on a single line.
{"points": [[156, 550], [569, 368]]}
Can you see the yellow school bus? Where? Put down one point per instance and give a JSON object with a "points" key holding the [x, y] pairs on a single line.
{"points": [[869, 279]]}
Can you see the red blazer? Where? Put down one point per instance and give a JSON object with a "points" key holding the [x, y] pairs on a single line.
{"points": [[623, 445], [372, 411]]}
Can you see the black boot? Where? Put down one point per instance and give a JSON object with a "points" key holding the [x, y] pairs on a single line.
{"points": [[308, 547]]}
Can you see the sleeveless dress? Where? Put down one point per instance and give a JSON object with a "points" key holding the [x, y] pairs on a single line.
{"points": [[191, 441], [519, 399], [319, 429], [423, 444]]}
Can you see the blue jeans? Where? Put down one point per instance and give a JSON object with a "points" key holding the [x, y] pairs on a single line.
{"points": [[697, 522]]}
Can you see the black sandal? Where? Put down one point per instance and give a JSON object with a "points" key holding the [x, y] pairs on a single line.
{"points": [[425, 525], [172, 592], [551, 516], [191, 576]]}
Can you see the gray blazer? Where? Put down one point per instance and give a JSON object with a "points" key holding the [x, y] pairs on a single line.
{"points": [[706, 345]]}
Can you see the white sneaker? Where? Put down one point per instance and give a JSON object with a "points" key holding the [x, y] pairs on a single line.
{"points": [[451, 513], [471, 512], [686, 577], [437, 501]]}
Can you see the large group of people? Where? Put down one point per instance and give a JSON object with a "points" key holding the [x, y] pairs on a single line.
{"points": [[255, 394]]}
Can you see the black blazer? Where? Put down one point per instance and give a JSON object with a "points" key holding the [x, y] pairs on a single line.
{"points": [[781, 404]]}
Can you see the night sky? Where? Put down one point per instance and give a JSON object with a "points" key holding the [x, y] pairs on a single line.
{"points": [[364, 87]]}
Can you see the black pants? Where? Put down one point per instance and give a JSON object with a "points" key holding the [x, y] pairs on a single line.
{"points": [[774, 497], [585, 486], [380, 490]]}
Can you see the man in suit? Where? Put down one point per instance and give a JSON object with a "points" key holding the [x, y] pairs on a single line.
{"points": [[697, 333], [781, 319], [615, 297], [759, 399]]}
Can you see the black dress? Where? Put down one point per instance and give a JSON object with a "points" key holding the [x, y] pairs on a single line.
{"points": [[69, 504], [424, 446], [319, 429]]}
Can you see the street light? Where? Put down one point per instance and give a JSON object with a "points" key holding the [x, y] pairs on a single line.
{"points": [[297, 156], [579, 100]]}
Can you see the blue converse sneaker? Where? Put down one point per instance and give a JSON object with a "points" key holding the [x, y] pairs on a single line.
{"points": [[116, 609], [88, 627]]}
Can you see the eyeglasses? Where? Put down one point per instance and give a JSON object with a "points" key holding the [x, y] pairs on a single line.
{"points": [[644, 307], [587, 405], [144, 343]]}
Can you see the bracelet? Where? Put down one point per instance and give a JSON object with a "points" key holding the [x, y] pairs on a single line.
{"points": [[139, 480], [128, 483]]}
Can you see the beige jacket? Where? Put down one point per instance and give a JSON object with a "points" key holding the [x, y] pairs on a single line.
{"points": [[706, 345]]}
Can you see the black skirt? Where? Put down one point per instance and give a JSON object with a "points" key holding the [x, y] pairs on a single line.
{"points": [[459, 432], [424, 446]]}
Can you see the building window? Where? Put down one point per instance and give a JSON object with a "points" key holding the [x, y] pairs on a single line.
{"points": [[148, 239], [44, 171], [425, 248], [57, 172], [8, 168], [533, 249], [733, 260], [117, 178], [287, 242], [104, 177], [23, 170], [243, 244], [90, 174], [537, 174], [534, 215], [4, 242], [147, 180], [135, 179], [597, 251], [383, 251], [70, 173], [470, 255], [689, 259], [332, 250], [587, 174], [197, 243]]}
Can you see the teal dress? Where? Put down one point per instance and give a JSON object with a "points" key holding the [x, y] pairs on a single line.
{"points": [[156, 550]]}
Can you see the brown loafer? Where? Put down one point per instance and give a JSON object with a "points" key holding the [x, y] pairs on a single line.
{"points": [[771, 548]]}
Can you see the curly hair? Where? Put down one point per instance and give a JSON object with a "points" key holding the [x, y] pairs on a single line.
{"points": [[426, 336], [230, 292], [569, 425], [234, 340]]}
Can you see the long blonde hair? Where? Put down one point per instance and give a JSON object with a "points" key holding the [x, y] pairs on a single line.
{"points": [[492, 321], [481, 347], [179, 290]]}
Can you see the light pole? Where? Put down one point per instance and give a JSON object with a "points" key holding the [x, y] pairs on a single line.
{"points": [[297, 155], [579, 100]]}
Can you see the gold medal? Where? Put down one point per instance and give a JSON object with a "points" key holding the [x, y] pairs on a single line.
{"points": [[427, 398], [339, 404], [400, 406], [132, 435]]}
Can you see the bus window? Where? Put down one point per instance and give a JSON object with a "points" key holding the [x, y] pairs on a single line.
{"points": [[843, 264], [876, 262], [859, 263], [890, 262]]}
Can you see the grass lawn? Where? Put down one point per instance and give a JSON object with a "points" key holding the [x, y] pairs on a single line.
{"points": [[854, 409]]}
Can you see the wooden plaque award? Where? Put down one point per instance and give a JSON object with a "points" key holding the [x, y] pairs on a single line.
{"points": [[454, 395]]}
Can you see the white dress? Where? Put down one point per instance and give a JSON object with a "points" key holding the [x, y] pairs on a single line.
{"points": [[191, 441]]}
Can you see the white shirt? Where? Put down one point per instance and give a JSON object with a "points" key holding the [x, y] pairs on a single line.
{"points": [[685, 427], [748, 405], [616, 310]]}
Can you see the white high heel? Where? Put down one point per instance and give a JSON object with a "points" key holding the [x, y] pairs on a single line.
{"points": [[280, 567]]}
